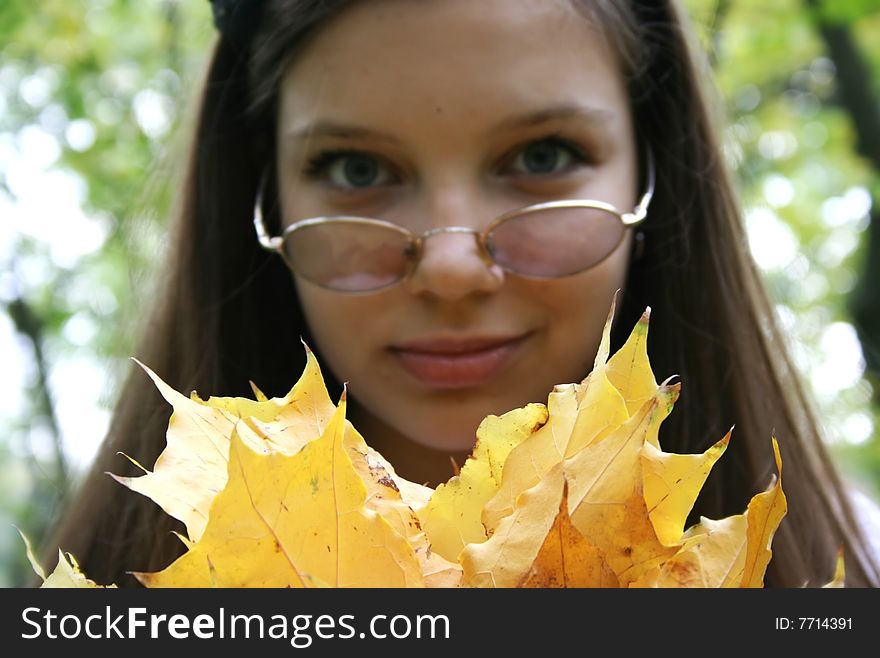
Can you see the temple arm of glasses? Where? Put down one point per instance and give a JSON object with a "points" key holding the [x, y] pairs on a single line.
{"points": [[266, 241], [641, 210]]}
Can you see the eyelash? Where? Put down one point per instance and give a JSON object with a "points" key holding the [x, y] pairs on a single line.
{"points": [[317, 166], [577, 153]]}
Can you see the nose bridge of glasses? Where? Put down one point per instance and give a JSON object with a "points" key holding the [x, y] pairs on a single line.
{"points": [[452, 265], [455, 246], [449, 207], [449, 229]]}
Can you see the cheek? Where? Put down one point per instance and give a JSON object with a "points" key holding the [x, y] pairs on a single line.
{"points": [[577, 309], [333, 323]]}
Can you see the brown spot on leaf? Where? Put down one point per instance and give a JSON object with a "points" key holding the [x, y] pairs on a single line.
{"points": [[388, 482], [683, 572]]}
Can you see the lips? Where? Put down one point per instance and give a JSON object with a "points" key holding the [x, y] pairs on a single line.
{"points": [[457, 362]]}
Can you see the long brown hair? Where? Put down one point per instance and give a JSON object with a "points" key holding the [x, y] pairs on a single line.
{"points": [[229, 312]]}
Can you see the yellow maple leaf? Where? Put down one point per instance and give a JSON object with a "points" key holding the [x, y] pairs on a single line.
{"points": [[605, 491], [764, 514], [839, 579], [395, 500], [578, 415], [601, 407], [567, 559], [452, 517], [577, 493], [629, 370], [294, 521], [537, 546], [671, 485], [712, 554], [192, 469], [731, 552], [67, 574], [528, 462], [505, 558]]}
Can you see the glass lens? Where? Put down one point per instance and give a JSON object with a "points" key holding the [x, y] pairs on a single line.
{"points": [[555, 242], [348, 255]]}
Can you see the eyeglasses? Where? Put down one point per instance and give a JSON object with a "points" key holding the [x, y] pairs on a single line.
{"points": [[542, 241]]}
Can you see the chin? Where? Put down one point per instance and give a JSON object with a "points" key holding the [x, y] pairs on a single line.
{"points": [[452, 442], [459, 437]]}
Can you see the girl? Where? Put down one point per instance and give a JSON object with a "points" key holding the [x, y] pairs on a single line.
{"points": [[456, 190]]}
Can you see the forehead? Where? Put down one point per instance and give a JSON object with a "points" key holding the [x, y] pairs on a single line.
{"points": [[451, 60]]}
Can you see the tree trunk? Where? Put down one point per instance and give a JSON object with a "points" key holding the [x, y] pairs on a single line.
{"points": [[856, 95]]}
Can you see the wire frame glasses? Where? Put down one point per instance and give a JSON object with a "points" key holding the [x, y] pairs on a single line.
{"points": [[542, 241]]}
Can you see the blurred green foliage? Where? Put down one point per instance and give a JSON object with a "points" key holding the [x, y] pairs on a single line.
{"points": [[109, 82], [794, 147], [103, 88]]}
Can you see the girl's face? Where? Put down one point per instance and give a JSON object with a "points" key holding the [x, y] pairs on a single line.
{"points": [[449, 113]]}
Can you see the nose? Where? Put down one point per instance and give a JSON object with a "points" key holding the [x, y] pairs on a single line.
{"points": [[453, 266]]}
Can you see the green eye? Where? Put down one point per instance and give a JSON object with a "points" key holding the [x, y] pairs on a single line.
{"points": [[349, 170], [547, 156], [360, 170]]}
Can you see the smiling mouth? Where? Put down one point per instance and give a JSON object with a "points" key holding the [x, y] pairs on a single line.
{"points": [[457, 363]]}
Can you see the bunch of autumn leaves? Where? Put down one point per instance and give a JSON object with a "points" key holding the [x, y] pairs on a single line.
{"points": [[285, 492]]}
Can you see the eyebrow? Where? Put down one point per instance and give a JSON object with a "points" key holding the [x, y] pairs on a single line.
{"points": [[586, 113], [351, 131], [339, 130]]}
